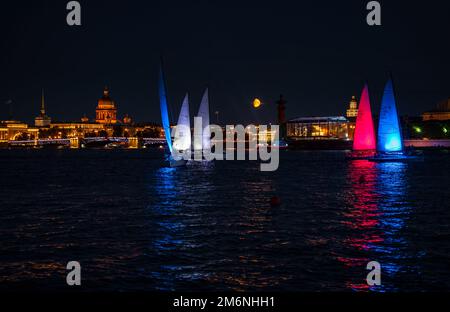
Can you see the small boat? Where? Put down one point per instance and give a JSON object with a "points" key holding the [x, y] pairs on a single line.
{"points": [[390, 146], [281, 144], [202, 140], [114, 145]]}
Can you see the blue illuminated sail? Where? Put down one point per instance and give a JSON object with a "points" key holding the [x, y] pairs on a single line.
{"points": [[389, 132], [163, 107]]}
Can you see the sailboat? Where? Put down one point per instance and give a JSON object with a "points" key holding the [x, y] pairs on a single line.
{"points": [[173, 161], [390, 142], [389, 132], [202, 140], [390, 146], [182, 138], [364, 143]]}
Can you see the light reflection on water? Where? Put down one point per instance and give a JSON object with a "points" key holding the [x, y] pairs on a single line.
{"points": [[191, 230], [137, 225], [377, 212]]}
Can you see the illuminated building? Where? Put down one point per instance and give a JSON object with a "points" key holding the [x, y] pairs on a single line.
{"points": [[319, 133], [441, 113], [329, 132], [106, 126], [15, 130], [265, 135], [127, 119], [84, 119], [352, 111], [364, 137], [74, 129], [42, 120], [106, 112], [318, 128]]}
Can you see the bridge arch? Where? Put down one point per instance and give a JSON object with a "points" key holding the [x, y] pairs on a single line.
{"points": [[23, 136]]}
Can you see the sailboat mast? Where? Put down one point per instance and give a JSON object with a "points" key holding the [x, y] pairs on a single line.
{"points": [[164, 106]]}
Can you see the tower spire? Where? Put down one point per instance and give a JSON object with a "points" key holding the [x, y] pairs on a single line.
{"points": [[42, 103]]}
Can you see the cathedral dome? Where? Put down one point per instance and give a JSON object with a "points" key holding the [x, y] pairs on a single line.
{"points": [[105, 102], [106, 111]]}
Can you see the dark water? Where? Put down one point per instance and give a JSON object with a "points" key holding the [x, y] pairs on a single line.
{"points": [[135, 225]]}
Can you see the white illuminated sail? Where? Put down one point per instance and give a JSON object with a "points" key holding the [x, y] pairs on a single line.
{"points": [[203, 140], [182, 140]]}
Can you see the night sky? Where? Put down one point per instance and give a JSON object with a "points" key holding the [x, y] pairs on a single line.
{"points": [[317, 53]]}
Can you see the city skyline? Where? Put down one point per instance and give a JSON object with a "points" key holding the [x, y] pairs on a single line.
{"points": [[239, 154], [90, 116], [260, 52]]}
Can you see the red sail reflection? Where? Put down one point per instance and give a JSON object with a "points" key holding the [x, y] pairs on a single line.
{"points": [[362, 220]]}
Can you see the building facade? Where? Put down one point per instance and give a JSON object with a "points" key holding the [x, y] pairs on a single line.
{"points": [[441, 113], [336, 127], [352, 111], [106, 111], [16, 130]]}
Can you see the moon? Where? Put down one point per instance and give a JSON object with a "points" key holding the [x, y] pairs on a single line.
{"points": [[257, 103]]}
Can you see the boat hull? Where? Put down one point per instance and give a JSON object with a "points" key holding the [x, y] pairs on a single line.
{"points": [[395, 157], [361, 155], [177, 163]]}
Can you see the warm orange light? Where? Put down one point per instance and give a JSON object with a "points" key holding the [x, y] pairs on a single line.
{"points": [[257, 103]]}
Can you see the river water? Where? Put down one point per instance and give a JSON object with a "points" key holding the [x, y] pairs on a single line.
{"points": [[134, 224]]}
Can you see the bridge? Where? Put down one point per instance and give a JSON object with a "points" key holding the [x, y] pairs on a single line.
{"points": [[132, 142]]}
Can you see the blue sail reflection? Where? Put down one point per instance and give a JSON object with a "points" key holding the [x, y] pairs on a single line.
{"points": [[392, 181], [169, 227], [179, 221], [376, 213]]}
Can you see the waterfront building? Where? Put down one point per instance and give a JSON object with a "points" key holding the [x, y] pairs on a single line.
{"points": [[105, 125], [85, 119], [440, 113], [42, 120], [335, 127], [127, 120], [77, 129], [319, 133], [12, 130], [106, 112], [352, 111]]}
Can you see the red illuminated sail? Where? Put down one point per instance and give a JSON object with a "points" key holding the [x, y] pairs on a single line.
{"points": [[364, 138]]}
